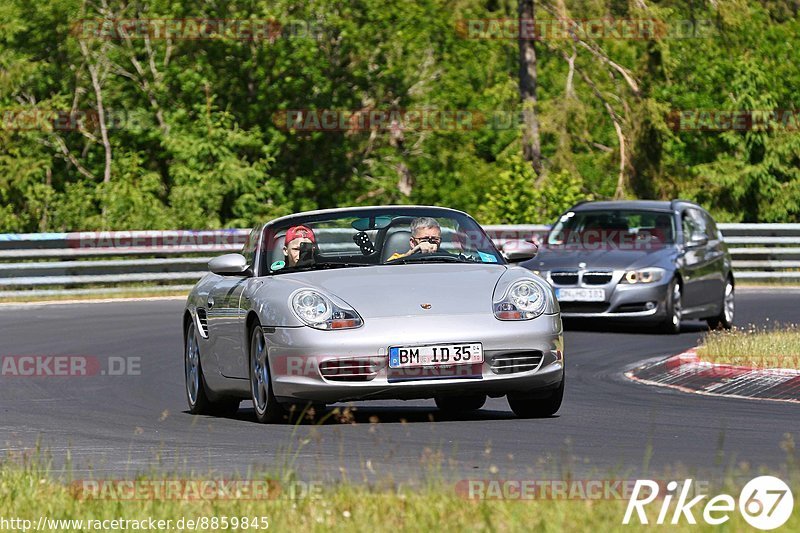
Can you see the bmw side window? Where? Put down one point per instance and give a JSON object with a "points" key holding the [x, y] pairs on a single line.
{"points": [[692, 224], [688, 227], [711, 228]]}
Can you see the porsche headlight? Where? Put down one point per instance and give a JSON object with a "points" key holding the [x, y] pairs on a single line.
{"points": [[643, 275], [523, 300], [320, 311]]}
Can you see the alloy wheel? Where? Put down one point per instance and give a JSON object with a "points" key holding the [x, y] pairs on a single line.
{"points": [[729, 303], [192, 365], [259, 372], [676, 305]]}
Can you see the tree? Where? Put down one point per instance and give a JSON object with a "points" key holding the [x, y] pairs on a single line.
{"points": [[531, 143]]}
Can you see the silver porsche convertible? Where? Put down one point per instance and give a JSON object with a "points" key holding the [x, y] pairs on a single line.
{"points": [[398, 302]]}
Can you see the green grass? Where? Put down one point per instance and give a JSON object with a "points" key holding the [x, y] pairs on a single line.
{"points": [[775, 347], [29, 490], [28, 494]]}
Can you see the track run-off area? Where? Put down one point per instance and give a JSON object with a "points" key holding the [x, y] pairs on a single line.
{"points": [[128, 415]]}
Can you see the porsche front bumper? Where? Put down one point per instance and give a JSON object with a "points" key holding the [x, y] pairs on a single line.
{"points": [[523, 356]]}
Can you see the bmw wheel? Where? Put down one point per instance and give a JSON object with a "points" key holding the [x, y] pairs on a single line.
{"points": [[728, 306], [264, 402], [674, 308], [197, 394]]}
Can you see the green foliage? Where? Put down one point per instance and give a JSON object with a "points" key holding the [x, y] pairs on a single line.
{"points": [[516, 197], [193, 139]]}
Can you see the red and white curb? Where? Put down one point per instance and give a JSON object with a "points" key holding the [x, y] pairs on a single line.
{"points": [[688, 373]]}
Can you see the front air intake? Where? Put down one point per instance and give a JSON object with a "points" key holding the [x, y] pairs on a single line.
{"points": [[512, 363], [351, 368]]}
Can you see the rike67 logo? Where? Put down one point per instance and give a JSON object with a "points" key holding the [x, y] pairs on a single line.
{"points": [[765, 503]]}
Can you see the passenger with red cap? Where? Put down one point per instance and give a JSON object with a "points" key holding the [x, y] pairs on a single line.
{"points": [[295, 236]]}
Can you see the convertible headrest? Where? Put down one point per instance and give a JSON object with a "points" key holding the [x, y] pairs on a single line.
{"points": [[396, 242]]}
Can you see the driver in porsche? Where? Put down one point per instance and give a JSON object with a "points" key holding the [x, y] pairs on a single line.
{"points": [[426, 237], [295, 237]]}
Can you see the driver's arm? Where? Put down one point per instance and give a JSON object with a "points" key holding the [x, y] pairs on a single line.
{"points": [[398, 255], [424, 247]]}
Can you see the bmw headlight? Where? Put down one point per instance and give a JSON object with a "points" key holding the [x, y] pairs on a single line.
{"points": [[522, 300], [643, 275], [321, 311]]}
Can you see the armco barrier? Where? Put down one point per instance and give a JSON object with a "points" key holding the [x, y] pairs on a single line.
{"points": [[86, 262]]}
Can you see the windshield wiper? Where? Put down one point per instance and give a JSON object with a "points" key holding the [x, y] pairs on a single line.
{"points": [[324, 266], [341, 265]]}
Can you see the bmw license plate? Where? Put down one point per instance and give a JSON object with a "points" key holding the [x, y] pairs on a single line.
{"points": [[581, 295], [439, 354]]}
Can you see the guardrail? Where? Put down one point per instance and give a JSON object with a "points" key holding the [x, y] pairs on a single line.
{"points": [[764, 251], [93, 262]]}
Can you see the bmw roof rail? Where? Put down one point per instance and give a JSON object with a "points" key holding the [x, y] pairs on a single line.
{"points": [[682, 201], [579, 202]]}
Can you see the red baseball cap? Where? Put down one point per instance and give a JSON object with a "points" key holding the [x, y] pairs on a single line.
{"points": [[299, 232]]}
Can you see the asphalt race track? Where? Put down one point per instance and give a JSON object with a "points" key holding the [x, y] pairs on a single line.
{"points": [[113, 426]]}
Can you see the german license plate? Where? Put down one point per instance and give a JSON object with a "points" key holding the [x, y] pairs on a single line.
{"points": [[439, 354], [581, 295]]}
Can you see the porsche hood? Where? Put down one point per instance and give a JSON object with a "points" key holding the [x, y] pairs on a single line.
{"points": [[402, 290]]}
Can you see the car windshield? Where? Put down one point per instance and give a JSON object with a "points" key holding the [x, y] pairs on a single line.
{"points": [[370, 237], [613, 229]]}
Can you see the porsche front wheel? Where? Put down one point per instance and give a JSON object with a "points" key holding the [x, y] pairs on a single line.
{"points": [[266, 406], [537, 405], [460, 404]]}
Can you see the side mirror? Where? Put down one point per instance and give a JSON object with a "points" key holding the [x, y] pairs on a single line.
{"points": [[230, 265], [697, 240], [517, 251]]}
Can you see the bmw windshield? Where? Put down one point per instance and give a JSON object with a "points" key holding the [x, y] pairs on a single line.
{"points": [[613, 229]]}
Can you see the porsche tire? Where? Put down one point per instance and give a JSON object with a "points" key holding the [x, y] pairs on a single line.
{"points": [[536, 406], [198, 395], [460, 404], [266, 407]]}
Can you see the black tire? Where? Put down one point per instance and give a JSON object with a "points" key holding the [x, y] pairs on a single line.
{"points": [[267, 408], [727, 309], [198, 395], [536, 406], [674, 307], [460, 404]]}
